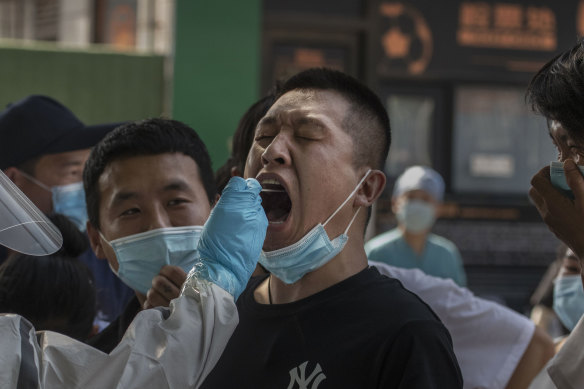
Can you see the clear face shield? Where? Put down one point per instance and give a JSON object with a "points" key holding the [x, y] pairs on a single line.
{"points": [[23, 227]]}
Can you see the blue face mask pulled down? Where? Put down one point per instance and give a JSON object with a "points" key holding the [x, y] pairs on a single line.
{"points": [[569, 300], [141, 256], [311, 252]]}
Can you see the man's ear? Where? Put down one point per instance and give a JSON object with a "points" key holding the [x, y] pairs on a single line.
{"points": [[394, 205], [95, 241], [236, 172], [370, 189]]}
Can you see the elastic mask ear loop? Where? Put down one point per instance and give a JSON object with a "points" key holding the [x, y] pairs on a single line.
{"points": [[347, 200], [108, 262], [35, 181], [104, 239]]}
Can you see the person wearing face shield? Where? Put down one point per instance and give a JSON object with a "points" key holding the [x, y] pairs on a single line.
{"points": [[557, 92], [43, 148], [416, 194], [149, 200]]}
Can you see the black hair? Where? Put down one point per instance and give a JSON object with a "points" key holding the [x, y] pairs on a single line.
{"points": [[54, 292], [557, 90], [146, 137], [366, 121], [242, 139]]}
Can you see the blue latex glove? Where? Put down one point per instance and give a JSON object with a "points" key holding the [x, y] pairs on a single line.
{"points": [[233, 236]]}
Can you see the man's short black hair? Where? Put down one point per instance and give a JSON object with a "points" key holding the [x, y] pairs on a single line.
{"points": [[147, 137], [367, 121], [557, 90]]}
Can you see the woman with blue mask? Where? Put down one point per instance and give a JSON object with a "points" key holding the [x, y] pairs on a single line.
{"points": [[416, 196]]}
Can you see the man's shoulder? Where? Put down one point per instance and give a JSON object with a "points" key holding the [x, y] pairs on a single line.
{"points": [[442, 243], [383, 241], [387, 299]]}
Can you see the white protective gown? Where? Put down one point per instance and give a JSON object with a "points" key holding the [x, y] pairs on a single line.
{"points": [[174, 347], [489, 339]]}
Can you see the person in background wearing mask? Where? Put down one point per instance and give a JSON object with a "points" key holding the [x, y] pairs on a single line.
{"points": [[568, 291], [149, 190], [568, 305], [416, 195], [43, 147], [321, 317], [557, 92]]}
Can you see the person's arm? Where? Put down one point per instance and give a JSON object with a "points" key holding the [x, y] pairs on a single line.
{"points": [[459, 268], [539, 351], [162, 348], [492, 343]]}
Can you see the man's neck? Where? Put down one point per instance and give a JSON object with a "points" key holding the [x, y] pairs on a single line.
{"points": [[416, 241], [347, 263]]}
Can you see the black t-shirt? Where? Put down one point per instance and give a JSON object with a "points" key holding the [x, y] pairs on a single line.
{"points": [[111, 335], [367, 331]]}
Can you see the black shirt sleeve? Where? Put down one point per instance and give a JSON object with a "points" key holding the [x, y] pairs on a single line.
{"points": [[421, 356]]}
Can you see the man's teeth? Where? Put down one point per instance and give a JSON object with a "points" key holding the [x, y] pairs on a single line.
{"points": [[274, 182]]}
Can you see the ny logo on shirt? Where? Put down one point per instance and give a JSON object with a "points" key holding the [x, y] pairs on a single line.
{"points": [[298, 376]]}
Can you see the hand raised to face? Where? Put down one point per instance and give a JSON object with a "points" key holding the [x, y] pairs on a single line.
{"points": [[564, 216]]}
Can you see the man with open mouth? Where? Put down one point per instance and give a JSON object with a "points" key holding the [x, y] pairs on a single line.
{"points": [[322, 318]]}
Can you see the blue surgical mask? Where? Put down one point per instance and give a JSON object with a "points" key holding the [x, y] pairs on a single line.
{"points": [[416, 215], [141, 256], [311, 252], [569, 300], [68, 200]]}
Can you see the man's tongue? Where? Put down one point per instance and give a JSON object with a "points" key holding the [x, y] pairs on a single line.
{"points": [[276, 203]]}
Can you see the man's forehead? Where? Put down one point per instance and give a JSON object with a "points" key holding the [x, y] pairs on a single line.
{"points": [[305, 102], [68, 157], [157, 172]]}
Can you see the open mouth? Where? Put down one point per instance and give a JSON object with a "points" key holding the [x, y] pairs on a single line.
{"points": [[275, 200]]}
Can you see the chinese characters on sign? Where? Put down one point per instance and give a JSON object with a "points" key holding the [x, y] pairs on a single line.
{"points": [[507, 26]]}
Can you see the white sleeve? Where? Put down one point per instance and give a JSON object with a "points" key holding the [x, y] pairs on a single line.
{"points": [[567, 367], [489, 339], [162, 348]]}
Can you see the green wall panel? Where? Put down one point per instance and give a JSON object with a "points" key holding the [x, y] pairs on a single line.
{"points": [[216, 67], [98, 86]]}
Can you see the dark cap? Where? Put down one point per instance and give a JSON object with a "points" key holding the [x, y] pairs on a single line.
{"points": [[39, 125]]}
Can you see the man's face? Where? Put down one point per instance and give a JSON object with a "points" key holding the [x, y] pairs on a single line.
{"points": [[567, 146], [143, 193], [54, 170], [301, 153]]}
